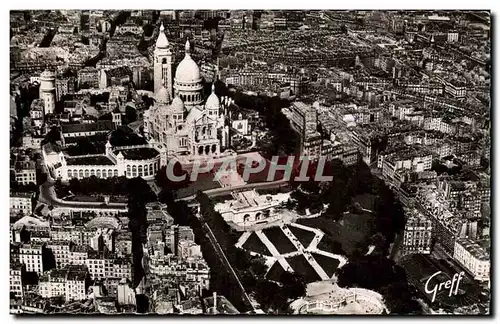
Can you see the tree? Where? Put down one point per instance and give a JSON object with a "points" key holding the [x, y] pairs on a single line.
{"points": [[164, 182], [130, 115], [139, 193], [378, 240], [294, 285], [398, 298], [148, 30], [370, 272], [258, 267], [268, 294], [166, 196]]}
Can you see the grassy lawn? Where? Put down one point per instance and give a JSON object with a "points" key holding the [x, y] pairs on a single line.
{"points": [[304, 236], [262, 175], [366, 201], [254, 244], [301, 266], [279, 240], [204, 182], [328, 264], [351, 231], [275, 272]]}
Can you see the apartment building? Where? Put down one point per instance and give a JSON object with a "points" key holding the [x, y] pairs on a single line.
{"points": [[69, 283], [474, 257], [417, 233], [24, 172], [16, 285], [21, 202], [61, 251], [31, 256]]}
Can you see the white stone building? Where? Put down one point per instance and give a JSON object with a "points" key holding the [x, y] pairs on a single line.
{"points": [[21, 203], [179, 118], [31, 256], [474, 257], [249, 208], [48, 91], [130, 161], [16, 285]]}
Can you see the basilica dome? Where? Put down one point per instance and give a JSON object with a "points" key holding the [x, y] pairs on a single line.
{"points": [[213, 101], [187, 71]]}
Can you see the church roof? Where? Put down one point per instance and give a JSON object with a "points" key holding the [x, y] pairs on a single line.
{"points": [[194, 115], [177, 105], [212, 101], [187, 71], [162, 96], [162, 41]]}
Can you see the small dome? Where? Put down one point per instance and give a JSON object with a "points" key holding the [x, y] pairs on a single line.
{"points": [[212, 101], [187, 71], [177, 105], [162, 41], [162, 96]]}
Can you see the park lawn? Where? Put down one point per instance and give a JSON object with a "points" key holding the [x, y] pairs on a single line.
{"points": [[275, 272], [204, 182], [366, 201], [304, 236], [352, 231], [254, 244], [328, 264], [261, 176], [279, 240], [301, 266]]}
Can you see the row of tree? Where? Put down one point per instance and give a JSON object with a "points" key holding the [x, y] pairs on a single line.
{"points": [[139, 193], [285, 139], [114, 186], [124, 136]]}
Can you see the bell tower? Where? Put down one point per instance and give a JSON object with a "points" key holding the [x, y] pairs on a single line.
{"points": [[162, 63]]}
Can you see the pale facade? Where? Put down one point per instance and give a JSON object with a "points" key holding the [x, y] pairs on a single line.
{"points": [[179, 119], [16, 285], [250, 208], [31, 256], [473, 257], [116, 162], [48, 91], [21, 203]]}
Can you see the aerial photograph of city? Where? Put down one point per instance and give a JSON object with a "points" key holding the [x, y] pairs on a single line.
{"points": [[250, 162]]}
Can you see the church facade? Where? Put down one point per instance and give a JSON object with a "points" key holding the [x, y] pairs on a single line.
{"points": [[181, 118]]}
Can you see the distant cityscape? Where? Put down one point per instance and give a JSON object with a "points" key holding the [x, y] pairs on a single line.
{"points": [[168, 162]]}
